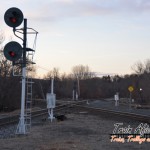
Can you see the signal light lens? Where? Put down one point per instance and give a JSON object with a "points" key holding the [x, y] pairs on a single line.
{"points": [[12, 54], [13, 19]]}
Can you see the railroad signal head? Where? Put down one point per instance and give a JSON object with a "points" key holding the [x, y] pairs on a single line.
{"points": [[13, 17], [13, 51]]}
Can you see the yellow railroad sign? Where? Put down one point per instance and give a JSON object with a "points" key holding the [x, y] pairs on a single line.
{"points": [[130, 88]]}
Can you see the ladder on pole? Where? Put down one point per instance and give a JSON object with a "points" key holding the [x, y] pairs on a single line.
{"points": [[28, 107], [28, 104]]}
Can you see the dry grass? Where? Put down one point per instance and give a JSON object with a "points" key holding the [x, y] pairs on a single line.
{"points": [[79, 132]]}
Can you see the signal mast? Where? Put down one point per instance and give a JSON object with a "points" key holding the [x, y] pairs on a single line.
{"points": [[14, 52]]}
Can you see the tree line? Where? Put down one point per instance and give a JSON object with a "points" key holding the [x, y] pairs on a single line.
{"points": [[89, 86]]}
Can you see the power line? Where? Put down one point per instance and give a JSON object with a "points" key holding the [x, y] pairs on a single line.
{"points": [[43, 68]]}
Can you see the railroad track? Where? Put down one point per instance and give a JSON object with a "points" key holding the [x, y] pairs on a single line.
{"points": [[12, 119], [79, 104], [140, 117]]}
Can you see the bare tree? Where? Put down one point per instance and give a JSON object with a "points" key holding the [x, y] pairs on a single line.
{"points": [[147, 66], [82, 72], [53, 73], [138, 67], [2, 38], [5, 68], [141, 68], [5, 65]]}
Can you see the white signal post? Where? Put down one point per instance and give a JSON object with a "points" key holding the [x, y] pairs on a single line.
{"points": [[116, 97], [51, 101], [21, 126]]}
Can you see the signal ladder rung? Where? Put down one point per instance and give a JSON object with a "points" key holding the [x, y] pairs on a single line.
{"points": [[29, 86], [30, 54], [29, 82], [29, 93], [29, 101], [28, 118], [28, 125], [28, 104], [28, 110]]}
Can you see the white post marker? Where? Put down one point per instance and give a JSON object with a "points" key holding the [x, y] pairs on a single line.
{"points": [[76, 96], [116, 97], [73, 93], [51, 101]]}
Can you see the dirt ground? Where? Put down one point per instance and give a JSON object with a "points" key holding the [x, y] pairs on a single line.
{"points": [[80, 131]]}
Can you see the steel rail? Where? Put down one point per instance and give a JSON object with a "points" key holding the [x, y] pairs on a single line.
{"points": [[12, 119], [15, 118], [136, 116]]}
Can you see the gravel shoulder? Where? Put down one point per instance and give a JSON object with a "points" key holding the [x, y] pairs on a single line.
{"points": [[80, 131]]}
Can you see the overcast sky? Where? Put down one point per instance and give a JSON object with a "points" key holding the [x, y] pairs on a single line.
{"points": [[107, 35]]}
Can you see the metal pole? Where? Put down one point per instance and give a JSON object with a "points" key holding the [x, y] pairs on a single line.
{"points": [[21, 126], [130, 100], [52, 114], [52, 86], [78, 87], [73, 93]]}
